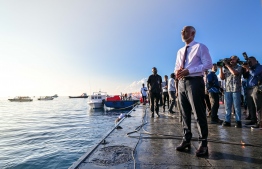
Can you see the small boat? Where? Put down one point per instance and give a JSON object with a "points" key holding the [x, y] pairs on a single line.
{"points": [[45, 98], [55, 96], [84, 95], [117, 103], [97, 99], [21, 99]]}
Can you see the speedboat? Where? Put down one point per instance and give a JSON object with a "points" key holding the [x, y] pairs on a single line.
{"points": [[21, 99], [97, 99], [84, 95], [45, 98]]}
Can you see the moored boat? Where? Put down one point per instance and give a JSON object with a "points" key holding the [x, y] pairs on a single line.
{"points": [[45, 98], [97, 99], [21, 99], [117, 103], [84, 95]]}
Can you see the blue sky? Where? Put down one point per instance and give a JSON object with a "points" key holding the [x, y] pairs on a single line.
{"points": [[70, 47]]}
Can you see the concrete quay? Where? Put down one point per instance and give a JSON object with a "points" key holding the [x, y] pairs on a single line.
{"points": [[150, 143]]}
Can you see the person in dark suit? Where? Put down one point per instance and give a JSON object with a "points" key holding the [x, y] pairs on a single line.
{"points": [[154, 86]]}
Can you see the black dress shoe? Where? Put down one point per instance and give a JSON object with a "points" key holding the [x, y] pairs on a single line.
{"points": [[256, 126], [226, 124], [250, 123], [183, 146], [202, 151], [238, 124]]}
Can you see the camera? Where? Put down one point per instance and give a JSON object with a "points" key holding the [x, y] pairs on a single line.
{"points": [[221, 63], [246, 59]]}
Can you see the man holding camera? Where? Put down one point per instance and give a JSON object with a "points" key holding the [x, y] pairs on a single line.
{"points": [[253, 74], [232, 76]]}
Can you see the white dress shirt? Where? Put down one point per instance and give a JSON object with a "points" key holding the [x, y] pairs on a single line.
{"points": [[171, 85], [164, 89], [197, 60]]}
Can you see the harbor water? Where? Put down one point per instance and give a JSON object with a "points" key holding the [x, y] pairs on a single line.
{"points": [[49, 134]]}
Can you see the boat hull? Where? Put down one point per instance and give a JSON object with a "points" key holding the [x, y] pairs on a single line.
{"points": [[17, 100], [96, 105], [121, 104], [74, 97]]}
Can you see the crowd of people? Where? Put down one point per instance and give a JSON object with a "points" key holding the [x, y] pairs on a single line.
{"points": [[198, 91]]}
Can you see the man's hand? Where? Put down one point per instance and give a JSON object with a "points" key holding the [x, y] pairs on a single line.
{"points": [[182, 73], [245, 66]]}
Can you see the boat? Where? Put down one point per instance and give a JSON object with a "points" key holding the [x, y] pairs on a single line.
{"points": [[21, 99], [117, 103], [45, 98], [55, 96], [84, 95], [97, 99]]}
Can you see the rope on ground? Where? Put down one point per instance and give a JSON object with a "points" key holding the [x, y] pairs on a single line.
{"points": [[165, 136]]}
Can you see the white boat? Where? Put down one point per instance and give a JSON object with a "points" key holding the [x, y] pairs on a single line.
{"points": [[21, 99], [97, 99], [45, 98]]}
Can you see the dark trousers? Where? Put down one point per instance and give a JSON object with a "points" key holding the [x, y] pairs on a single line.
{"points": [[254, 104], [214, 101], [172, 96], [207, 101], [191, 93], [154, 99], [165, 98], [144, 99]]}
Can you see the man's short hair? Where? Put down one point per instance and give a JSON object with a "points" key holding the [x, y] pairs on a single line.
{"points": [[234, 56]]}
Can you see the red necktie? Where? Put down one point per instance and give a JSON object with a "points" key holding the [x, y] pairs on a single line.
{"points": [[184, 58]]}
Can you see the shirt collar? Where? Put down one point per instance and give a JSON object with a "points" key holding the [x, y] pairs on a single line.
{"points": [[190, 44]]}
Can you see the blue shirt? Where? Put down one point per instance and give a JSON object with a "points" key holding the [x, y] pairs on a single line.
{"points": [[254, 75], [212, 81]]}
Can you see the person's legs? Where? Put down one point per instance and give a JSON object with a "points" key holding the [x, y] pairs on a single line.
{"points": [[214, 100], [152, 103], [157, 98], [251, 106], [237, 105], [185, 110], [208, 103], [172, 99], [258, 104], [196, 94], [228, 106]]}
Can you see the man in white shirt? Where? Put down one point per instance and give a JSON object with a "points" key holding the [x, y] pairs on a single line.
{"points": [[165, 95], [172, 92], [191, 62]]}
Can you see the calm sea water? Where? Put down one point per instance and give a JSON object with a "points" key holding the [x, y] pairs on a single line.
{"points": [[49, 134]]}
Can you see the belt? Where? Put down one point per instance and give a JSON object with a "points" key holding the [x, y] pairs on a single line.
{"points": [[192, 77]]}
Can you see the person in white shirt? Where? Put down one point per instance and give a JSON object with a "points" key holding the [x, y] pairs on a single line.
{"points": [[191, 62], [144, 93], [172, 92], [165, 95]]}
